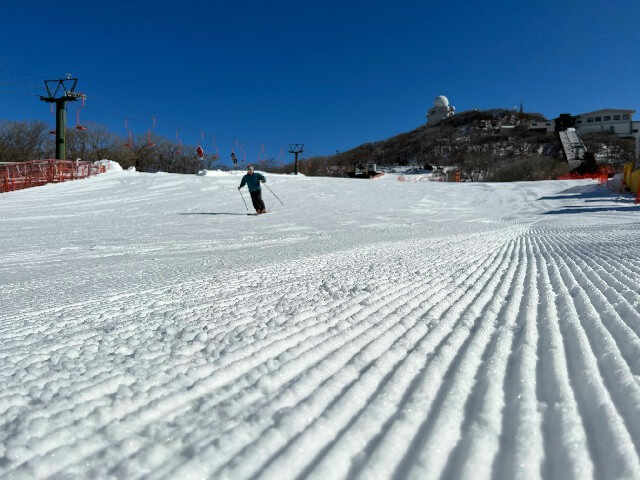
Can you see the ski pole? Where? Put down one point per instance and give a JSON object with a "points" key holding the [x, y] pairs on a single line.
{"points": [[274, 194], [243, 200]]}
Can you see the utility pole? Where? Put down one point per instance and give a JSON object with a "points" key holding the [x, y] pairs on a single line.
{"points": [[296, 148], [61, 91]]}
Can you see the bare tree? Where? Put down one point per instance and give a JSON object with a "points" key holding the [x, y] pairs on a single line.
{"points": [[266, 165], [208, 161], [76, 144], [22, 141]]}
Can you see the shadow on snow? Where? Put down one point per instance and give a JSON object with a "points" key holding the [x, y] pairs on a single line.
{"points": [[592, 194], [213, 213], [580, 209]]}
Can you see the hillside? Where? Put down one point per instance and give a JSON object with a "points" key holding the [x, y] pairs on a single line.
{"points": [[151, 329], [489, 144]]}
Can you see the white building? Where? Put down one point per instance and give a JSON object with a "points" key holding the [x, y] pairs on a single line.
{"points": [[441, 109], [544, 126], [618, 121], [611, 120]]}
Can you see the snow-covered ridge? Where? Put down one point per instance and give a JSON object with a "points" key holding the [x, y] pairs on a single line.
{"points": [[151, 329], [111, 165], [226, 173]]}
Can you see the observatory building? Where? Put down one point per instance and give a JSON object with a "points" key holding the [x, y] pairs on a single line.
{"points": [[441, 109]]}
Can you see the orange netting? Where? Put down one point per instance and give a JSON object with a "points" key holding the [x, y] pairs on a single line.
{"points": [[601, 175], [16, 176]]}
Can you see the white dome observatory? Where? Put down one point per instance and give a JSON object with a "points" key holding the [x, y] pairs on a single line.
{"points": [[441, 109], [441, 101]]}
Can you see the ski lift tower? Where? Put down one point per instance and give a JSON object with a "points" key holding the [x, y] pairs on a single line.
{"points": [[60, 92], [296, 148]]}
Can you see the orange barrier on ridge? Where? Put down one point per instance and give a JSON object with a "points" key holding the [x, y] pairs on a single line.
{"points": [[602, 178], [19, 175], [602, 175]]}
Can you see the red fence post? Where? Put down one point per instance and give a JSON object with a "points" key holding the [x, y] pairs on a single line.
{"points": [[5, 179]]}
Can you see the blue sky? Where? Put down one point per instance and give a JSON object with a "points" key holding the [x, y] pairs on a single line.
{"points": [[331, 75]]}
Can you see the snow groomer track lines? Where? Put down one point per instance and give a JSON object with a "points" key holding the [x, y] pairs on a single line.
{"points": [[361, 342]]}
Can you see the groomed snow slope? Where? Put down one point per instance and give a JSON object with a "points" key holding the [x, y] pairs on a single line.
{"points": [[368, 329]]}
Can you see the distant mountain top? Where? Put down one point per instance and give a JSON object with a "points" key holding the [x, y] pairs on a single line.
{"points": [[482, 143]]}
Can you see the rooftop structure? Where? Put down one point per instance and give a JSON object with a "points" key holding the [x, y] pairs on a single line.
{"points": [[440, 110]]}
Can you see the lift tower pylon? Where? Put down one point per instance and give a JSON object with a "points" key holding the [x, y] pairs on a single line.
{"points": [[60, 92], [296, 148]]}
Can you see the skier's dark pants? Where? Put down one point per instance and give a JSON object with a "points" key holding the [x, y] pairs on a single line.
{"points": [[256, 198]]}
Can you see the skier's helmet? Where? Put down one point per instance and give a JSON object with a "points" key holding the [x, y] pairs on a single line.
{"points": [[249, 168]]}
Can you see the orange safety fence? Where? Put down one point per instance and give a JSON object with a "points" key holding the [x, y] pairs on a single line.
{"points": [[19, 175], [600, 176]]}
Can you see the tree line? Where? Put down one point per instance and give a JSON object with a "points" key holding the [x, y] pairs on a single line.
{"points": [[471, 141], [32, 140]]}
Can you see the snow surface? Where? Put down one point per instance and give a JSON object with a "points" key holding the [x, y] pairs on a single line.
{"points": [[151, 329]]}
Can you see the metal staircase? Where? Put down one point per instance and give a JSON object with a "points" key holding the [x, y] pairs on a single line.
{"points": [[573, 147]]}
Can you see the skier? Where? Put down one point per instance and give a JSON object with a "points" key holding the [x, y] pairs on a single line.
{"points": [[234, 159], [252, 180]]}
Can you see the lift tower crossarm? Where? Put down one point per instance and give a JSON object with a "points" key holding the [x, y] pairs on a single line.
{"points": [[59, 92], [296, 148]]}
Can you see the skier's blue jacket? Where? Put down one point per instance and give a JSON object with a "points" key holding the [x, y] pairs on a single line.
{"points": [[253, 181]]}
